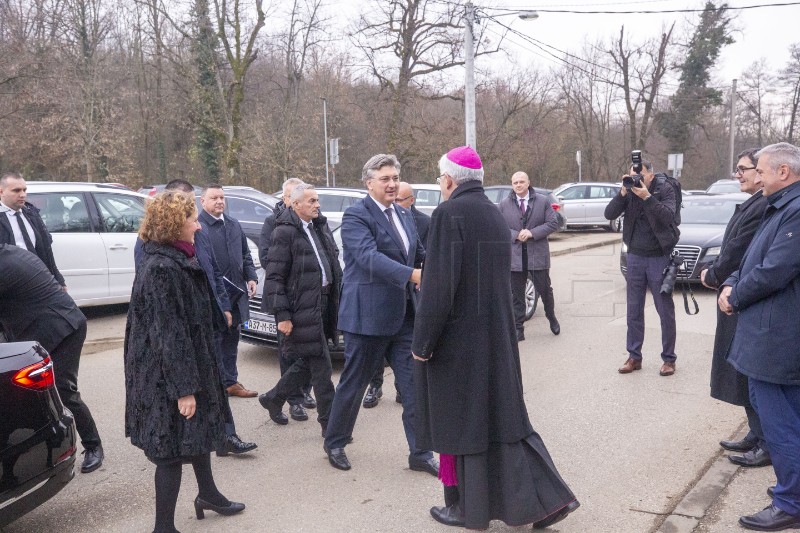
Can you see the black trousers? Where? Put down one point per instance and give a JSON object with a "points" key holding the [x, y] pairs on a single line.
{"points": [[541, 282], [296, 398], [66, 360], [316, 368]]}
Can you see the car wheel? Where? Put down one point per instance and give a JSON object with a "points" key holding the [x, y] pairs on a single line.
{"points": [[615, 225], [531, 298]]}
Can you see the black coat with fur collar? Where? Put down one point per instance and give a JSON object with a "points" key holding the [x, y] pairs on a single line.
{"points": [[169, 353]]}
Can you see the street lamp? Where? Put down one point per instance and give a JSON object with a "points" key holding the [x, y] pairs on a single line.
{"points": [[469, 65], [325, 129]]}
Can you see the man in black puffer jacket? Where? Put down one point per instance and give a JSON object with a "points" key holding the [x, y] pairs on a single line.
{"points": [[302, 291]]}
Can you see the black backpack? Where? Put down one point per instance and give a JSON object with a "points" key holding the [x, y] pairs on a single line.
{"points": [[664, 179]]}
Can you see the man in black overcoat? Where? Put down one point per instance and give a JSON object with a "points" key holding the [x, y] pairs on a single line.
{"points": [[301, 399], [470, 406], [302, 291], [21, 224], [727, 384], [34, 307]]}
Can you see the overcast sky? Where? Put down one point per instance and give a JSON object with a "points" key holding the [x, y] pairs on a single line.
{"points": [[761, 32]]}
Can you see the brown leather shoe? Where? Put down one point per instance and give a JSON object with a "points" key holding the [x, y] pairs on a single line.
{"points": [[667, 369], [237, 389], [630, 365]]}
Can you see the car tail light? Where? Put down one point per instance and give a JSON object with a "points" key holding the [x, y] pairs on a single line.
{"points": [[556, 207], [36, 377], [152, 192], [67, 454]]}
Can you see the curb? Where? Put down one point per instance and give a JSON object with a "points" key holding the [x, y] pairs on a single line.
{"points": [[694, 505], [615, 240], [102, 345]]}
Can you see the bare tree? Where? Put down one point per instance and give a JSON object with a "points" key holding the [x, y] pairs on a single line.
{"points": [[642, 69], [404, 43], [790, 78]]}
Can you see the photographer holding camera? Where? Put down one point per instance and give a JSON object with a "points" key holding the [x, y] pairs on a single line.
{"points": [[650, 233]]}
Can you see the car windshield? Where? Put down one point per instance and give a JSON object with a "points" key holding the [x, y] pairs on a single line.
{"points": [[708, 211], [723, 187]]}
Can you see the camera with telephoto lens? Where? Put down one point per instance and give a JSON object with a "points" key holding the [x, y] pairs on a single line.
{"points": [[671, 272], [636, 163]]}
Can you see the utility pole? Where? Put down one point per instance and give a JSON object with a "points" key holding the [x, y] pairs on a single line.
{"points": [[325, 129], [733, 123], [469, 80]]}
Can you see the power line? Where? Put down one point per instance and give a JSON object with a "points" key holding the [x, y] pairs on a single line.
{"points": [[634, 12]]}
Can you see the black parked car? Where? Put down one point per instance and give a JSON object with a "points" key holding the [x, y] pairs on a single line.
{"points": [[37, 433], [703, 222]]}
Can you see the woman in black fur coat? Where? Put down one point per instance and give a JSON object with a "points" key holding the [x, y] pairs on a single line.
{"points": [[174, 401]]}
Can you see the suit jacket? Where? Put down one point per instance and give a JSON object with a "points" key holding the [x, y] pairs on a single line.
{"points": [[469, 392], [423, 222], [727, 384], [540, 219], [44, 241], [376, 287], [242, 268], [33, 306]]}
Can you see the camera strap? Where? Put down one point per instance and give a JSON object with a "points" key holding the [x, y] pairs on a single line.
{"points": [[686, 288]]}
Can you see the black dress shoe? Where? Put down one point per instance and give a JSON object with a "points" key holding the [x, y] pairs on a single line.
{"points": [[758, 456], [275, 411], [558, 516], [372, 397], [555, 327], [298, 413], [226, 510], [771, 491], [430, 466], [233, 444], [337, 458], [449, 516], [92, 459], [308, 401], [770, 519], [744, 445]]}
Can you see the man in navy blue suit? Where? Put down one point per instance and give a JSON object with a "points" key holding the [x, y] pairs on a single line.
{"points": [[382, 255]]}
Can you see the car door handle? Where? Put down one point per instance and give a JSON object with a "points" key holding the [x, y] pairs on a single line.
{"points": [[118, 247]]}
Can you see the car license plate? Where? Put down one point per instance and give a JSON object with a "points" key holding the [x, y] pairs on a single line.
{"points": [[261, 326]]}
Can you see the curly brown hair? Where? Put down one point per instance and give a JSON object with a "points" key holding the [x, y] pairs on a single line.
{"points": [[165, 215]]}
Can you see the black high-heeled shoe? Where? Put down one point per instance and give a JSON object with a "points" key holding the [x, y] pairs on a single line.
{"points": [[225, 510]]}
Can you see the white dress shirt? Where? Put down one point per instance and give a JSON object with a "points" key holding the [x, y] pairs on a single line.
{"points": [[309, 227], [395, 221], [13, 220]]}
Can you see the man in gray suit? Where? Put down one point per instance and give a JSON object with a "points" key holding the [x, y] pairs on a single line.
{"points": [[530, 218], [34, 307]]}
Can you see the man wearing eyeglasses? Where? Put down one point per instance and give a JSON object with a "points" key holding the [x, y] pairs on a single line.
{"points": [[405, 198], [763, 291], [727, 384], [382, 256]]}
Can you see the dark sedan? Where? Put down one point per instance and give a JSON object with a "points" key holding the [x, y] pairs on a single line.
{"points": [[37, 433], [703, 222]]}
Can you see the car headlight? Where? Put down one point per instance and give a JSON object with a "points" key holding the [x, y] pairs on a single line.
{"points": [[713, 251]]}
